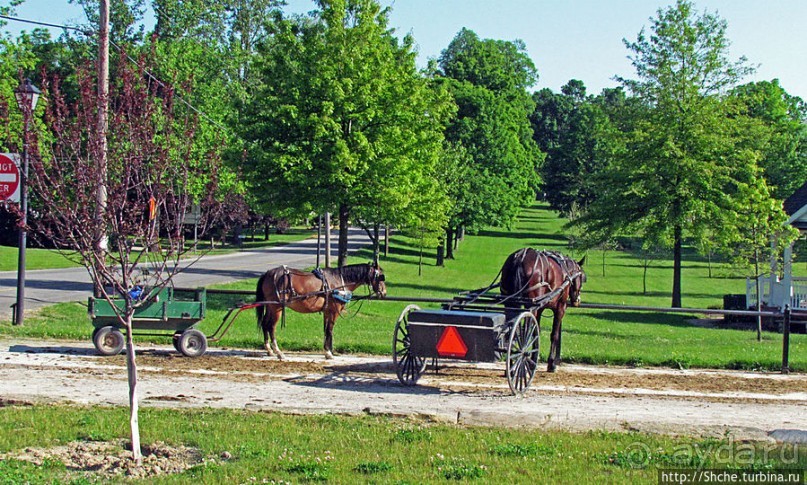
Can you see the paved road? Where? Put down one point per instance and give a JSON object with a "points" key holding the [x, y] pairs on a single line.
{"points": [[46, 287]]}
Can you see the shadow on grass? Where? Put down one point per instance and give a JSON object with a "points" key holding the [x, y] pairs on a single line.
{"points": [[549, 216], [524, 235], [600, 333], [649, 294], [409, 256], [671, 319], [395, 286]]}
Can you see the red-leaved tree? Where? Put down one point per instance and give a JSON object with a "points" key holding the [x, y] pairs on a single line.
{"points": [[154, 174]]}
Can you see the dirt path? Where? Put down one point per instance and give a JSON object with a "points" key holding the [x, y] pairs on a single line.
{"points": [[750, 405]]}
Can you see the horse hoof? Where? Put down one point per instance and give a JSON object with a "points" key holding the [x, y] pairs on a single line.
{"points": [[550, 368], [280, 356], [328, 356]]}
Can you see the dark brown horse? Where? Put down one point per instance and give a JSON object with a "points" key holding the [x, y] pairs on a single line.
{"points": [[530, 274], [325, 290]]}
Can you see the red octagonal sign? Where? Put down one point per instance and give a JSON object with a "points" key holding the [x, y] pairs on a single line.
{"points": [[9, 178]]}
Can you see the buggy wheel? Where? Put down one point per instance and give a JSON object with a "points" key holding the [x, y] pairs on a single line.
{"points": [[408, 366], [522, 353], [108, 340], [192, 343], [175, 340]]}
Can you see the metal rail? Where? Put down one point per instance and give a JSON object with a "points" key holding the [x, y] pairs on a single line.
{"points": [[705, 311], [599, 306], [464, 296]]}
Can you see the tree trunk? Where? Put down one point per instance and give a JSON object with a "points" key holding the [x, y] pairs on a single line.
{"points": [[604, 250], [677, 242], [420, 260], [386, 240], [131, 370], [344, 213], [644, 275], [376, 241], [449, 243], [441, 250]]}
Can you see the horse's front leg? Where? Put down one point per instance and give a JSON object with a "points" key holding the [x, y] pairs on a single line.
{"points": [[554, 349], [329, 320]]}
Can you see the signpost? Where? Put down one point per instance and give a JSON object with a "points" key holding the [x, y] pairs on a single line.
{"points": [[9, 177]]}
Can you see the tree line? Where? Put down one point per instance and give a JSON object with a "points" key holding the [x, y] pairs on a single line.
{"points": [[328, 112]]}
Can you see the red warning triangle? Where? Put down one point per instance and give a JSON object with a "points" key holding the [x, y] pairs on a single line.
{"points": [[451, 344]]}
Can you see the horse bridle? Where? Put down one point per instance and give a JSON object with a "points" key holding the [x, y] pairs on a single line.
{"points": [[376, 276]]}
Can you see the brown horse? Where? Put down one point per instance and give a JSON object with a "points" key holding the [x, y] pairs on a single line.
{"points": [[324, 290], [530, 274]]}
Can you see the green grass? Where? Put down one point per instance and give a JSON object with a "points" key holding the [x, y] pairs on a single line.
{"points": [[590, 336], [51, 259], [35, 259], [297, 449]]}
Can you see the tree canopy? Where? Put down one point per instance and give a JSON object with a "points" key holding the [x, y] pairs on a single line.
{"points": [[342, 121], [488, 81], [679, 174]]}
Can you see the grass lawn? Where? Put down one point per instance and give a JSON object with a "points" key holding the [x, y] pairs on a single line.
{"points": [[590, 336], [49, 259], [35, 259], [276, 448]]}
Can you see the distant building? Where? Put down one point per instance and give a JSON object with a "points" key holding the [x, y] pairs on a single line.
{"points": [[789, 290]]}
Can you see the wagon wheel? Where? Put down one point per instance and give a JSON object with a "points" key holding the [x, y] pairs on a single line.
{"points": [[192, 343], [408, 366], [522, 352], [108, 340], [175, 340]]}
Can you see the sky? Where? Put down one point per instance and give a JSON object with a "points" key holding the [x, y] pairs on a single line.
{"points": [[568, 39]]}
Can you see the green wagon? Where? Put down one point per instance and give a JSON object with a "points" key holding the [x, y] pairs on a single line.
{"points": [[164, 312]]}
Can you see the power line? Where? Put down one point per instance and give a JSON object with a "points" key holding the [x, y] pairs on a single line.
{"points": [[45, 24], [164, 86], [90, 33]]}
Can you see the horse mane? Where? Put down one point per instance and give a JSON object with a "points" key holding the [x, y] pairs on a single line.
{"points": [[351, 273]]}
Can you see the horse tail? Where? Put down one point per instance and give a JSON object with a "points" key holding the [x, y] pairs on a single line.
{"points": [[259, 296], [515, 277]]}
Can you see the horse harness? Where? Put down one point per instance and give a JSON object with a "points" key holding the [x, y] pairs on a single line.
{"points": [[538, 266], [339, 294], [283, 287]]}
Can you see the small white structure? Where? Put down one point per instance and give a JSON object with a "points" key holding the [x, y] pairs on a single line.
{"points": [[789, 290]]}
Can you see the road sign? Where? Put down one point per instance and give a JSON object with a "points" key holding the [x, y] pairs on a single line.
{"points": [[9, 177], [194, 216]]}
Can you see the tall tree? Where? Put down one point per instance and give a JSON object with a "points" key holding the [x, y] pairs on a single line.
{"points": [[343, 122], [678, 171], [488, 80], [572, 130], [777, 128], [125, 17]]}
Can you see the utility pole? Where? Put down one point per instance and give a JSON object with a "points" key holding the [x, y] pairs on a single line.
{"points": [[319, 237], [103, 125], [327, 239]]}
